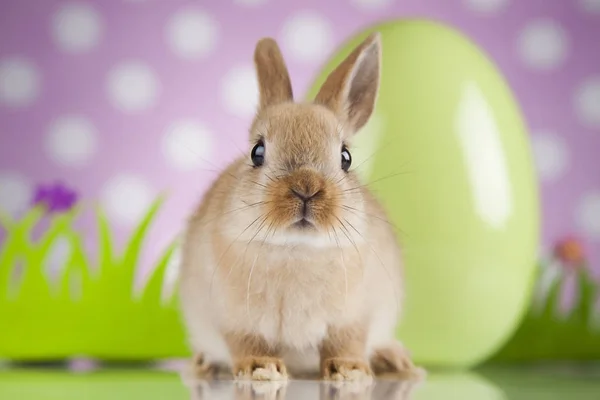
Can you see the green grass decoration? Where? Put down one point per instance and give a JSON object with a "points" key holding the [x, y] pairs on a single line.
{"points": [[92, 309], [545, 334]]}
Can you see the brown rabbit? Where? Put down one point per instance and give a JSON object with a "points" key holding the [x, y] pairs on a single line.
{"points": [[289, 264]]}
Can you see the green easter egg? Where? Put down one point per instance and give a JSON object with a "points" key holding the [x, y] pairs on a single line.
{"points": [[448, 154]]}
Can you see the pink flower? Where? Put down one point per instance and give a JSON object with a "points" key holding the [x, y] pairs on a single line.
{"points": [[563, 271], [570, 252]]}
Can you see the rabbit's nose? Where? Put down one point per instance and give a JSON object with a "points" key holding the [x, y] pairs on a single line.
{"points": [[306, 195], [307, 186]]}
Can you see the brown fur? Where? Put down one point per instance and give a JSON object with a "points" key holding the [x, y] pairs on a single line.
{"points": [[257, 290], [344, 350], [243, 345], [273, 78], [353, 102], [344, 342], [395, 362], [250, 352]]}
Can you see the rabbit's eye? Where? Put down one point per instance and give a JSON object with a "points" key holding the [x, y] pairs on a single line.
{"points": [[258, 154], [346, 159]]}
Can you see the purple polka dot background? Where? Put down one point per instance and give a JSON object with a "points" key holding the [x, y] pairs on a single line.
{"points": [[121, 100]]}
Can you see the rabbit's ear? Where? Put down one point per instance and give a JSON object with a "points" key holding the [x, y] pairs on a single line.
{"points": [[350, 91], [273, 78]]}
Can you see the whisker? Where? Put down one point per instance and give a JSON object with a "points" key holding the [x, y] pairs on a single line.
{"points": [[235, 210], [259, 184], [337, 241], [261, 225], [270, 178], [381, 147], [271, 228], [346, 232], [218, 266], [396, 293], [366, 185], [251, 268], [249, 283], [255, 258], [339, 180], [358, 213], [345, 280]]}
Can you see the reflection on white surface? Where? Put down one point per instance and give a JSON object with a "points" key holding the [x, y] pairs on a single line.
{"points": [[302, 390], [486, 162]]}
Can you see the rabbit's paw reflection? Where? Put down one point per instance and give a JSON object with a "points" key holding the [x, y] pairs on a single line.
{"points": [[260, 390], [376, 390], [346, 390]]}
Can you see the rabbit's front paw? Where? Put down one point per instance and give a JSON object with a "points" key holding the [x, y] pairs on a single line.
{"points": [[260, 369], [346, 369]]}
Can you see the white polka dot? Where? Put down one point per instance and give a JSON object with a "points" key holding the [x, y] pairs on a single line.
{"points": [[16, 194], [126, 198], [587, 102], [191, 33], [551, 156], [19, 82], [76, 28], [133, 86], [187, 144], [486, 6], [250, 3], [590, 6], [371, 4], [588, 215], [308, 37], [542, 45], [71, 140], [239, 91]]}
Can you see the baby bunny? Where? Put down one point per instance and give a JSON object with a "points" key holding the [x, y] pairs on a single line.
{"points": [[289, 263]]}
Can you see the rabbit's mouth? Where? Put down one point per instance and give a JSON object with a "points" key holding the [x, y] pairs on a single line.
{"points": [[303, 224]]}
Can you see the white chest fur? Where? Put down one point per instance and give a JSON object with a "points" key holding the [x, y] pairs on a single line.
{"points": [[291, 301]]}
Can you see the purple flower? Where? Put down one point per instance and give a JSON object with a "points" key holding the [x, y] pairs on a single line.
{"points": [[56, 197]]}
